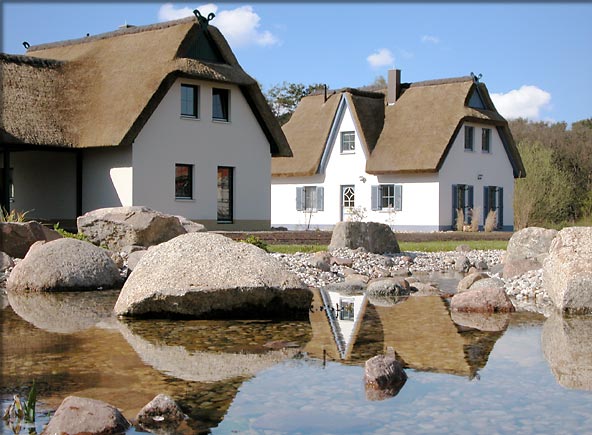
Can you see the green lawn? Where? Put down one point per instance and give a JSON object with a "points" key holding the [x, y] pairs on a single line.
{"points": [[405, 246]]}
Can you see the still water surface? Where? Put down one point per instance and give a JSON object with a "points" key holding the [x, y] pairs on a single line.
{"points": [[513, 374]]}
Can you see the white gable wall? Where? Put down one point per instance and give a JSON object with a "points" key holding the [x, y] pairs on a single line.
{"points": [[167, 139], [466, 167], [420, 192]]}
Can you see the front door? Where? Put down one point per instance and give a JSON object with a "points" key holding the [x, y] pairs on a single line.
{"points": [[348, 200]]}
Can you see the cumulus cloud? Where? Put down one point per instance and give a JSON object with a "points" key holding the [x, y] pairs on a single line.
{"points": [[382, 57], [526, 102], [430, 39], [240, 26]]}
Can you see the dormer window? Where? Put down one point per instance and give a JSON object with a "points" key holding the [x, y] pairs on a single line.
{"points": [[189, 100]]}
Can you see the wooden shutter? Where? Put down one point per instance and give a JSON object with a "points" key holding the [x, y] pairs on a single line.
{"points": [[469, 202], [375, 198], [320, 198], [454, 203], [485, 202], [500, 207], [300, 198], [398, 197]]}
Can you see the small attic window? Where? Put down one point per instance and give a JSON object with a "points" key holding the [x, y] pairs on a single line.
{"points": [[204, 48], [476, 102]]}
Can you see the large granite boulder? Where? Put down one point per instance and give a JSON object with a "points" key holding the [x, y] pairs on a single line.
{"points": [[567, 271], [64, 265], [205, 275], [372, 236], [117, 227], [79, 415], [483, 300], [17, 237], [527, 249]]}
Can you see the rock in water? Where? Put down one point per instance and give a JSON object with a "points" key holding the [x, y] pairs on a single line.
{"points": [[117, 227], [490, 299], [79, 415], [205, 275], [384, 377], [65, 265], [567, 271], [160, 412], [373, 236]]}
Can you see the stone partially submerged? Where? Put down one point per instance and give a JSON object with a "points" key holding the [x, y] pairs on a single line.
{"points": [[567, 271], [64, 265], [204, 275]]}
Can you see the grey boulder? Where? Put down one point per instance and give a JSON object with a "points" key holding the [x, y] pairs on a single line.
{"points": [[567, 271], [17, 237], [117, 227], [65, 265], [205, 275], [384, 377], [162, 412], [372, 236], [80, 415], [388, 287], [532, 242]]}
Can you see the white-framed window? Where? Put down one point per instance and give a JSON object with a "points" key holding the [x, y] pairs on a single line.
{"points": [[486, 140], [220, 104], [183, 181], [189, 101], [387, 196], [348, 142], [310, 198], [469, 137]]}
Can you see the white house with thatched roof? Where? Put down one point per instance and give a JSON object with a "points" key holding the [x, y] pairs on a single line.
{"points": [[411, 158], [161, 116]]}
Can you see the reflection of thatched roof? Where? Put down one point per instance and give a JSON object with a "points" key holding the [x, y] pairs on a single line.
{"points": [[117, 80], [413, 135]]}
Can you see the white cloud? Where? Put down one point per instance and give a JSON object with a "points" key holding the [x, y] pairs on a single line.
{"points": [[239, 26], [431, 39], [383, 57], [526, 102]]}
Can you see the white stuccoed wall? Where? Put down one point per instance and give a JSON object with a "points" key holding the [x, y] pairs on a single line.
{"points": [[463, 167], [168, 139]]}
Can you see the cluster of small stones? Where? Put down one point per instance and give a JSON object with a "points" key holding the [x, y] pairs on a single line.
{"points": [[525, 290]]}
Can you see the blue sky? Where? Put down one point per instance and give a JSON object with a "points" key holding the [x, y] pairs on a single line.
{"points": [[534, 57]]}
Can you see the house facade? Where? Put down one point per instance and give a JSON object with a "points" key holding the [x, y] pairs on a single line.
{"points": [[411, 158], [161, 116]]}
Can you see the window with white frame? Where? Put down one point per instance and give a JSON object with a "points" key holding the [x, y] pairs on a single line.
{"points": [[189, 101], [348, 142], [310, 198], [387, 197]]}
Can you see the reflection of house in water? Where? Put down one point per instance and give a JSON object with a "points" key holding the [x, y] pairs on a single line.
{"points": [[419, 329]]}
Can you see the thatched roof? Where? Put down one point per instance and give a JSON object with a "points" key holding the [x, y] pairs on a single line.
{"points": [[310, 126], [412, 136], [106, 86]]}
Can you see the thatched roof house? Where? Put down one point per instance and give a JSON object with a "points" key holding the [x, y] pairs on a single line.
{"points": [[66, 93], [101, 121], [440, 141]]}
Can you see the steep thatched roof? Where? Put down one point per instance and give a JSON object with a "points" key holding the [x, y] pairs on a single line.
{"points": [[413, 135], [310, 126], [106, 86]]}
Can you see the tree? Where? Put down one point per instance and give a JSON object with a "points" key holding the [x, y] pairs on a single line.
{"points": [[283, 99]]}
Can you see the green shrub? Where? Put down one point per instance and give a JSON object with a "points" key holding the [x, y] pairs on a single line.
{"points": [[254, 240], [67, 234], [12, 215]]}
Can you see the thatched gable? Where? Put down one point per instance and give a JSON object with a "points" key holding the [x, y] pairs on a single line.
{"points": [[110, 84], [412, 136], [310, 126], [420, 127]]}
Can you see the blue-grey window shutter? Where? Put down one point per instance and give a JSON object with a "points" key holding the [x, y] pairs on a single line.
{"points": [[300, 198], [320, 198], [375, 198], [485, 202], [500, 207], [398, 197], [470, 197], [454, 202]]}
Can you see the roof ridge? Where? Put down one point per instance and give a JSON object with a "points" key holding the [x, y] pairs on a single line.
{"points": [[30, 60], [119, 32], [441, 81], [353, 91]]}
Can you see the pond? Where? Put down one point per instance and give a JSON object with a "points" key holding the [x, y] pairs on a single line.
{"points": [[505, 374]]}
